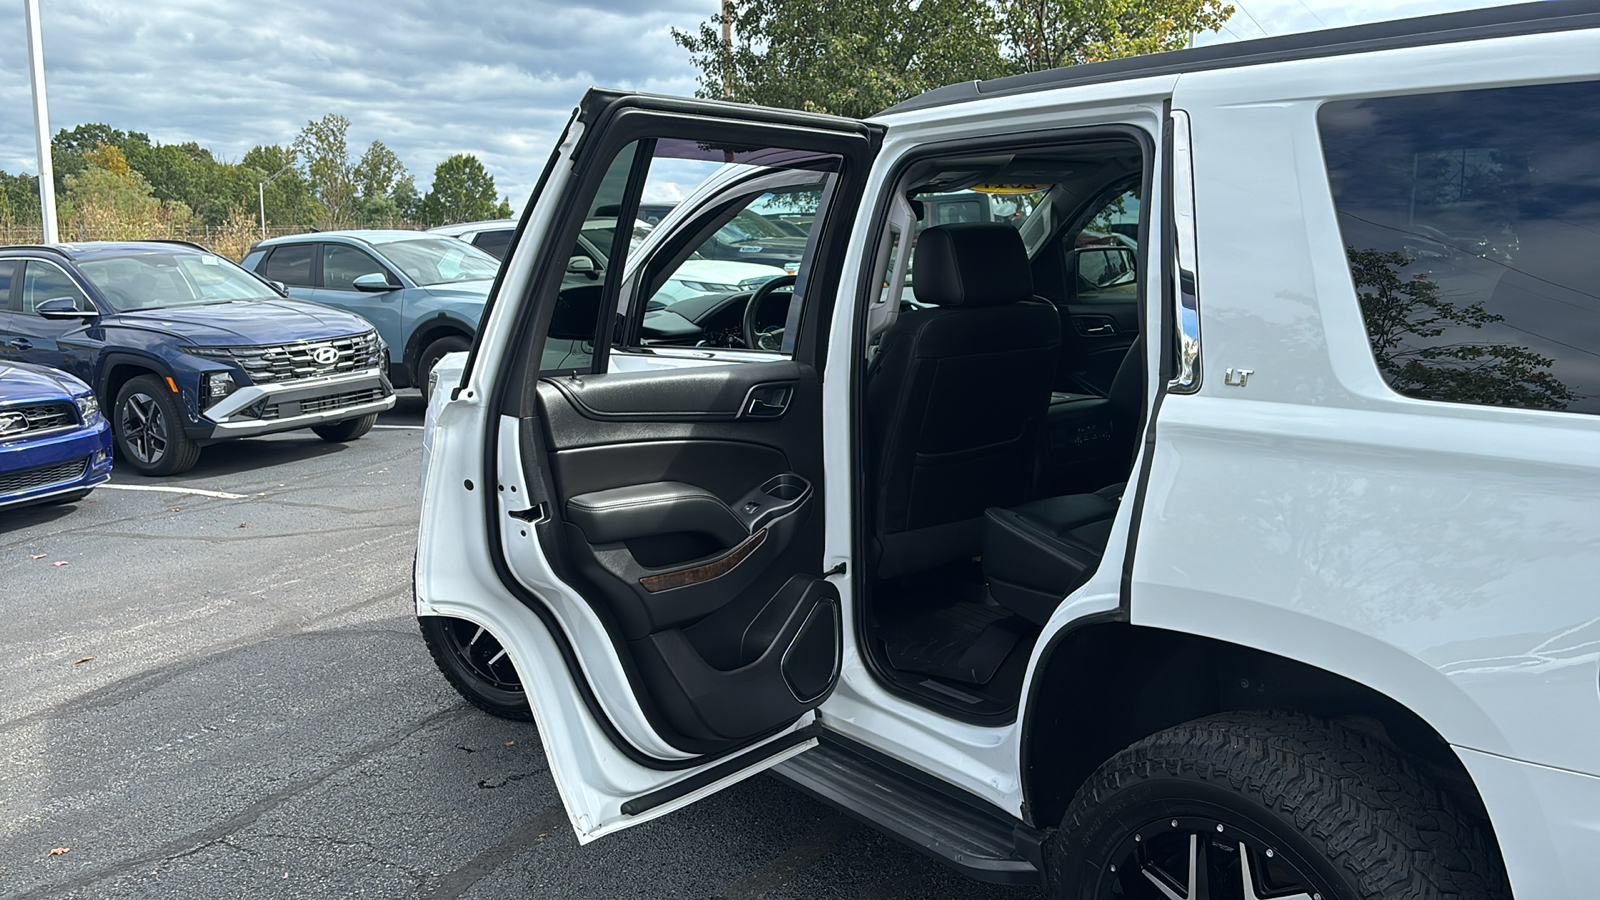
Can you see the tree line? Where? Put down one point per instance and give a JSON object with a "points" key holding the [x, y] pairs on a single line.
{"points": [[112, 183], [856, 57]]}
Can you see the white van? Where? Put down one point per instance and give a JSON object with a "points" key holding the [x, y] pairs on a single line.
{"points": [[1254, 553]]}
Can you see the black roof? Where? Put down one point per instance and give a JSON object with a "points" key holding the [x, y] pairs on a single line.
{"points": [[1499, 21]]}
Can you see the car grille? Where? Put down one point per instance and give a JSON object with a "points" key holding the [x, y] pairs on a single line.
{"points": [[41, 476], [289, 362], [40, 417], [311, 405]]}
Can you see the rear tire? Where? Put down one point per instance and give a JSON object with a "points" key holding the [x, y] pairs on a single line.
{"points": [[1267, 804], [475, 664], [148, 426], [348, 430], [430, 357]]}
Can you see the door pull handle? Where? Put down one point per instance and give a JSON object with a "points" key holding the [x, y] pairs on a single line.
{"points": [[21, 344]]}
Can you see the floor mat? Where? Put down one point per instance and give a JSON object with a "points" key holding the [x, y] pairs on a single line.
{"points": [[963, 642]]}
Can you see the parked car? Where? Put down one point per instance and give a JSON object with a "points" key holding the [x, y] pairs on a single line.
{"points": [[184, 348], [492, 236], [424, 292], [55, 446], [696, 277]]}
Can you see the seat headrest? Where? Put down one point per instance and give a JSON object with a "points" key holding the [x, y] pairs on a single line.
{"points": [[971, 264]]}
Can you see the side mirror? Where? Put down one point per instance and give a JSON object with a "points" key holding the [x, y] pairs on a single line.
{"points": [[373, 283], [582, 265], [279, 286], [1103, 267], [576, 314], [62, 308]]}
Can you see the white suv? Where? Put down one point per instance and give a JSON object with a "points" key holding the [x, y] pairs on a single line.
{"points": [[1266, 570]]}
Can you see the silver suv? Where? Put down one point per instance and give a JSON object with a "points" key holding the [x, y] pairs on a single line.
{"points": [[1265, 568]]}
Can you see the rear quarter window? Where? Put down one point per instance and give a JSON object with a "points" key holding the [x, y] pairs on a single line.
{"points": [[1471, 224], [290, 264]]}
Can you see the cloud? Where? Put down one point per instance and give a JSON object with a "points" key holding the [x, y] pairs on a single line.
{"points": [[428, 79]]}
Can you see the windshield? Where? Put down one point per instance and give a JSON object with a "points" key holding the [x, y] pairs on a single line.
{"points": [[439, 260], [750, 226], [599, 232], [154, 279]]}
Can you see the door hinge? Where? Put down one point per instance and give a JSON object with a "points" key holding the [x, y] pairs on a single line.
{"points": [[836, 570]]}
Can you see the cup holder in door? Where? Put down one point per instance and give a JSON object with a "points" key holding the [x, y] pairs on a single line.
{"points": [[785, 487], [777, 496]]}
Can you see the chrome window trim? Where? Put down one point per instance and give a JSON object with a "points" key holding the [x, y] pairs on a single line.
{"points": [[1186, 286]]}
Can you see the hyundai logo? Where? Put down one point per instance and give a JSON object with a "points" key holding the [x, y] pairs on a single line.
{"points": [[13, 422], [324, 356]]}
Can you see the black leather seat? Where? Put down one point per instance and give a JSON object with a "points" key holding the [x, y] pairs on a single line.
{"points": [[955, 397], [1035, 553]]}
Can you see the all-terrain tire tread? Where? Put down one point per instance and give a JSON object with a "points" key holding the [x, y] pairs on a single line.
{"points": [[1377, 818]]}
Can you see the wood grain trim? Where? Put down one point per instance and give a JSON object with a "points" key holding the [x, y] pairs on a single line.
{"points": [[699, 574]]}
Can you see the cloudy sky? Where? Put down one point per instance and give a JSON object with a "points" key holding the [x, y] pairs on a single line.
{"points": [[429, 79]]}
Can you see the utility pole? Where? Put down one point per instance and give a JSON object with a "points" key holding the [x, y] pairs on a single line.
{"points": [[261, 196], [41, 124], [727, 49]]}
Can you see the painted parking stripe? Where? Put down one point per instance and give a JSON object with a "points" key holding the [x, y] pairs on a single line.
{"points": [[224, 495], [401, 427]]}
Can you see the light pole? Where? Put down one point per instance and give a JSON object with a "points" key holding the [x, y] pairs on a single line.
{"points": [[261, 195], [41, 125]]}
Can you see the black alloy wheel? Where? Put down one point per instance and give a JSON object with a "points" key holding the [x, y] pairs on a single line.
{"points": [[475, 663], [148, 426], [1268, 806]]}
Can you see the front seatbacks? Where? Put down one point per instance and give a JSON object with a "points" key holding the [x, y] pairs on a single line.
{"points": [[955, 397]]}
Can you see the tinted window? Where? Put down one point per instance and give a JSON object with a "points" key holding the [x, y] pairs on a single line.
{"points": [[342, 265], [290, 264], [45, 281], [7, 267], [1471, 223], [493, 243]]}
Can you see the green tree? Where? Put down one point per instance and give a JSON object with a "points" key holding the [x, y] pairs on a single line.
{"points": [[1048, 34], [325, 157], [855, 57], [847, 57], [1411, 328], [377, 175], [463, 191], [289, 199], [19, 199]]}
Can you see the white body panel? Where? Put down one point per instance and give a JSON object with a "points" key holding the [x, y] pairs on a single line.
{"points": [[1442, 554]]}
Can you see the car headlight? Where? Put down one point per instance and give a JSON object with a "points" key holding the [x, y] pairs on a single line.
{"points": [[750, 284], [218, 385], [88, 408]]}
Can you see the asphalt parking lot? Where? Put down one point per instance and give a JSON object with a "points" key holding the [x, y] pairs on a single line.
{"points": [[220, 691]]}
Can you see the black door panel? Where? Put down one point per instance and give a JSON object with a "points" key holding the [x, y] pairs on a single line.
{"points": [[692, 526], [709, 393], [723, 467]]}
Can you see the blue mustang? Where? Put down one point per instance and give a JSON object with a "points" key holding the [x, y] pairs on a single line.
{"points": [[55, 446], [184, 348]]}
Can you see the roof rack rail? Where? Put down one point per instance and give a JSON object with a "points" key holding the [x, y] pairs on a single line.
{"points": [[183, 243], [48, 248]]}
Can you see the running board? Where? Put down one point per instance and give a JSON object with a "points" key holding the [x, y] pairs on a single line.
{"points": [[983, 845]]}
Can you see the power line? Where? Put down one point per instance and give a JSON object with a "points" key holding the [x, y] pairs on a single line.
{"points": [[1313, 13], [1251, 18]]}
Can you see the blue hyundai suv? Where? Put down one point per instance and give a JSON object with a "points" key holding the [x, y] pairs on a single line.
{"points": [[55, 446], [425, 292], [185, 348]]}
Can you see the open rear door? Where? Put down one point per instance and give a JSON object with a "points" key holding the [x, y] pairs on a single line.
{"points": [[645, 539]]}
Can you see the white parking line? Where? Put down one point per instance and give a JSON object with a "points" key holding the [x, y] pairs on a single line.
{"points": [[401, 427], [173, 490]]}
